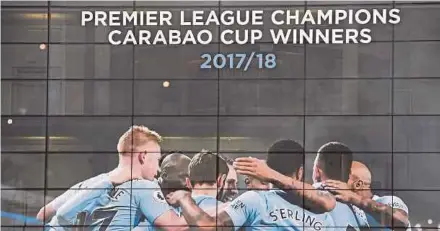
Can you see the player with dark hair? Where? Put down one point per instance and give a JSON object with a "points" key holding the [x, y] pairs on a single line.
{"points": [[206, 178], [173, 172], [265, 210], [231, 187], [333, 161]]}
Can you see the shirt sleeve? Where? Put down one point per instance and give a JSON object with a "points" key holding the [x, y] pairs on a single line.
{"points": [[152, 203], [61, 199], [209, 203], [244, 210], [394, 202], [81, 199]]}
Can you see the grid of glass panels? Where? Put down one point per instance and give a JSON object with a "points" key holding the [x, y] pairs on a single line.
{"points": [[67, 96]]}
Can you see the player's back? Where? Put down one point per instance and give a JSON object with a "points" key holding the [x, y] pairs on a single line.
{"points": [[345, 216], [130, 203], [282, 211], [60, 200], [275, 210], [348, 217]]}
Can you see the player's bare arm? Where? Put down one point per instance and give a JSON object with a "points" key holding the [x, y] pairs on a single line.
{"points": [[385, 214], [315, 200]]}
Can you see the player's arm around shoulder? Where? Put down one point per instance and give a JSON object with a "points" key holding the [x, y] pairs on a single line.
{"points": [[148, 196], [399, 208], [50, 209], [242, 211], [196, 218]]}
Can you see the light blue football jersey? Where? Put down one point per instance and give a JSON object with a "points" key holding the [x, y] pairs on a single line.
{"points": [[128, 205], [87, 190], [346, 216], [206, 203], [273, 210], [392, 201]]}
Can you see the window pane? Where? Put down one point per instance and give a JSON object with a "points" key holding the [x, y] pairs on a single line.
{"points": [[417, 59], [90, 97], [183, 133], [176, 97], [256, 134], [168, 62], [409, 174], [418, 22], [24, 61], [24, 97], [422, 205], [20, 170], [23, 134], [350, 60], [416, 133], [24, 25], [87, 134], [257, 97], [91, 61], [342, 97], [67, 169], [21, 202], [67, 27], [416, 96], [359, 133]]}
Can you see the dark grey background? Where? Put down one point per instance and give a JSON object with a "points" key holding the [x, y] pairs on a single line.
{"points": [[70, 102]]}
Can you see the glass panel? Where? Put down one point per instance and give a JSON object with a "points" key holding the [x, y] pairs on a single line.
{"points": [[24, 97], [87, 134], [359, 133], [349, 60], [342, 97], [183, 133], [417, 59], [416, 96], [25, 25], [67, 26], [67, 169], [19, 208], [418, 22], [408, 175], [91, 61], [101, 97], [21, 134], [23, 170], [257, 97], [416, 133], [24, 61], [256, 134], [176, 97], [171, 62]]}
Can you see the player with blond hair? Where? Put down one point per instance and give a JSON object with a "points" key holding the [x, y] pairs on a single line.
{"points": [[137, 199]]}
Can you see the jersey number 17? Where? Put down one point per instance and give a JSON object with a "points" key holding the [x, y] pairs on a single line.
{"points": [[99, 218]]}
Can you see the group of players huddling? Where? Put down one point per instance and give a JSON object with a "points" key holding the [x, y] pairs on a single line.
{"points": [[189, 193]]}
